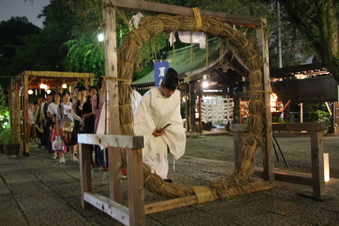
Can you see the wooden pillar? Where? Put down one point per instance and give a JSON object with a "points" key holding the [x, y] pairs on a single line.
{"points": [[85, 173], [191, 103], [199, 91], [317, 153], [263, 45], [238, 141], [25, 115], [112, 98], [136, 192]]}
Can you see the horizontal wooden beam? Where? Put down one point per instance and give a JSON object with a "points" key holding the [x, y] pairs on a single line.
{"points": [[192, 200], [153, 7], [118, 141], [293, 178], [114, 209], [58, 74], [305, 126], [170, 204]]}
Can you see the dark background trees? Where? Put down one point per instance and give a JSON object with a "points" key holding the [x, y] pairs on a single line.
{"points": [[12, 37], [68, 40]]}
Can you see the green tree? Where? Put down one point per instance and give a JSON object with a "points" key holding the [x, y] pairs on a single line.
{"points": [[318, 21], [12, 36], [43, 50]]}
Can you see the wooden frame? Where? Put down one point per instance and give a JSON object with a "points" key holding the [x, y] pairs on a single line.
{"points": [[31, 79], [316, 129], [135, 214], [153, 7], [136, 210]]}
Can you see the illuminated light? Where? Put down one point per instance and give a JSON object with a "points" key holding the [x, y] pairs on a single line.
{"points": [[205, 84], [273, 102], [43, 86], [48, 91], [101, 37], [326, 167], [64, 86], [30, 92]]}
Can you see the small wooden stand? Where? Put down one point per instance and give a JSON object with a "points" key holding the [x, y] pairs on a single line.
{"points": [[317, 181]]}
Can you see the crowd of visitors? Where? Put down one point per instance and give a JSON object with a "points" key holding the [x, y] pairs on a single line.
{"points": [[57, 118]]}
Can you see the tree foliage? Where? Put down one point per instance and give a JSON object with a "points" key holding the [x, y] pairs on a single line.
{"points": [[13, 33], [318, 21]]}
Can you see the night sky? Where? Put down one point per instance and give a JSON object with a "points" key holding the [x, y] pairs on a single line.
{"points": [[30, 9]]}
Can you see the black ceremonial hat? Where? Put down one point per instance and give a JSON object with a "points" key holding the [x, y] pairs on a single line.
{"points": [[171, 79]]}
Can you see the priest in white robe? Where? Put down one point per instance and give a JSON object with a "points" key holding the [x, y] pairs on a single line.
{"points": [[158, 107]]}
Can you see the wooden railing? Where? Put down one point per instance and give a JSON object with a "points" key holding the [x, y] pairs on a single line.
{"points": [[135, 213]]}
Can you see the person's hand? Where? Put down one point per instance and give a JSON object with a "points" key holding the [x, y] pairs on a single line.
{"points": [[158, 133]]}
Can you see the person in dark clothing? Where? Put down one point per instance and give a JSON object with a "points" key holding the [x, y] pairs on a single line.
{"points": [[89, 118], [77, 112], [48, 122]]}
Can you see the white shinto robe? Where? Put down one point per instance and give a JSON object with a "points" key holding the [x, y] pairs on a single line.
{"points": [[154, 112]]}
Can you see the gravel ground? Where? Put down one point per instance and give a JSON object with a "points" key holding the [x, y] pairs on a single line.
{"points": [[296, 148]]}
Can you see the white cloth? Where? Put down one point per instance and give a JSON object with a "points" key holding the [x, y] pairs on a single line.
{"points": [[67, 111], [158, 163], [136, 20], [135, 100], [30, 117], [154, 112], [53, 109], [97, 105], [193, 37]]}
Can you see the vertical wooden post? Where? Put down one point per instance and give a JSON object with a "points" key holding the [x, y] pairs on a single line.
{"points": [[25, 115], [85, 173], [111, 66], [238, 144], [263, 44], [317, 153], [191, 103], [238, 133], [136, 193]]}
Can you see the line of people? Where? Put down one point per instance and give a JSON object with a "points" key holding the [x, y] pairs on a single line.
{"points": [[156, 117], [58, 119]]}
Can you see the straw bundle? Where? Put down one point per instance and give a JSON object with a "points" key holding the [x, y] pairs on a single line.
{"points": [[128, 56]]}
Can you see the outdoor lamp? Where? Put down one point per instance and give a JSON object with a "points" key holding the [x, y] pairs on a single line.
{"points": [[205, 83], [42, 85], [101, 37], [64, 86], [326, 167], [30, 91]]}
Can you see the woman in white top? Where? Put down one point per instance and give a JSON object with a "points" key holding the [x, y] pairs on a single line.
{"points": [[32, 133], [54, 113], [66, 123]]}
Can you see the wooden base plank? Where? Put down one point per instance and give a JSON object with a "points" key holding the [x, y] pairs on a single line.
{"points": [[192, 200], [295, 178], [114, 209]]}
